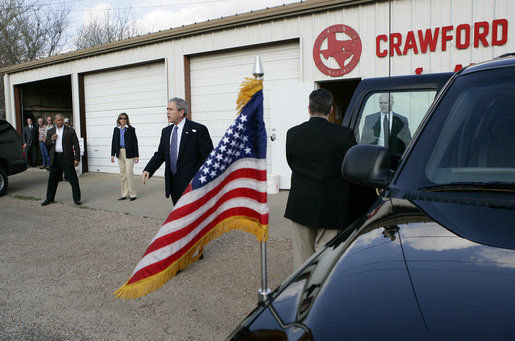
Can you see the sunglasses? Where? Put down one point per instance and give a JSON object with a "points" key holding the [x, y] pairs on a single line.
{"points": [[123, 118]]}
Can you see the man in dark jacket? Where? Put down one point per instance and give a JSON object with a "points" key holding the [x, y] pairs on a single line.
{"points": [[64, 150], [387, 128], [183, 147], [30, 140], [318, 202]]}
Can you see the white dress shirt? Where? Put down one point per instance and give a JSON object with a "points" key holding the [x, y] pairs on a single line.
{"points": [[381, 134], [180, 127], [59, 141]]}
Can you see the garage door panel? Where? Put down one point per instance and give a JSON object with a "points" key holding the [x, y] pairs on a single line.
{"points": [[216, 79], [124, 105], [110, 88], [140, 91]]}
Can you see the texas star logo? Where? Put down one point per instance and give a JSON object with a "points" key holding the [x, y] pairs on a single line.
{"points": [[345, 53]]}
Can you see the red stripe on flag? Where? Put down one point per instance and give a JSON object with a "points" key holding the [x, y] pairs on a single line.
{"points": [[249, 173], [179, 234], [161, 265]]}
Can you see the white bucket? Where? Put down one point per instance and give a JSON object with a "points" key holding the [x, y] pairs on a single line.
{"points": [[272, 183]]}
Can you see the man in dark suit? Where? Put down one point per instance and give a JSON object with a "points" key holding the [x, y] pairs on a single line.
{"points": [[318, 202], [64, 150], [183, 147], [375, 128], [30, 140]]}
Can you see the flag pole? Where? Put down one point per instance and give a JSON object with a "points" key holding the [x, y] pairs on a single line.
{"points": [[263, 293]]}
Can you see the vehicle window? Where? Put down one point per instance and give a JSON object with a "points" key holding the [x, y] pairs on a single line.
{"points": [[7, 134], [406, 112], [470, 136]]}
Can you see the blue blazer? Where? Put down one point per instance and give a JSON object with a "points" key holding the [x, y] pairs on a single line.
{"points": [[195, 147]]}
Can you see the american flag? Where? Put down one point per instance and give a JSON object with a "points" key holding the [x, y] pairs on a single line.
{"points": [[227, 193]]}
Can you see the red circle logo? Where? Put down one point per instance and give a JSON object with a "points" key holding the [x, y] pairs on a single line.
{"points": [[344, 53]]}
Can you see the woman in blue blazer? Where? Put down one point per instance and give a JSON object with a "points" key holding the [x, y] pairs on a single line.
{"points": [[125, 147]]}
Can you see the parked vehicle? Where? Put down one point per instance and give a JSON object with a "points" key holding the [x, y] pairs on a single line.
{"points": [[11, 154], [411, 95], [434, 257]]}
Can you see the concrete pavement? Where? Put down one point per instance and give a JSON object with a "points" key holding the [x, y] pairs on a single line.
{"points": [[101, 191]]}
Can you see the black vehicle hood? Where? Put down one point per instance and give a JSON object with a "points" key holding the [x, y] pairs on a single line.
{"points": [[400, 273]]}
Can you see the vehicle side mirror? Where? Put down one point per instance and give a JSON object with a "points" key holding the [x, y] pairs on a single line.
{"points": [[367, 165]]}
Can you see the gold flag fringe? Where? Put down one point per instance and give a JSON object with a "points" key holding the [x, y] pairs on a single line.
{"points": [[248, 88], [152, 283]]}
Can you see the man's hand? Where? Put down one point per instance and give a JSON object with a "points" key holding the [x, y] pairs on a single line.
{"points": [[136, 159], [75, 163], [54, 137], [145, 177], [112, 159]]}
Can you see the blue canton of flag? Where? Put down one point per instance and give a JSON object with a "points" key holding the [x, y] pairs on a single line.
{"points": [[245, 138]]}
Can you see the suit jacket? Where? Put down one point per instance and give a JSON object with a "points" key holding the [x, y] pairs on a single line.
{"points": [[30, 136], [131, 142], [71, 148], [195, 147], [319, 196], [400, 135]]}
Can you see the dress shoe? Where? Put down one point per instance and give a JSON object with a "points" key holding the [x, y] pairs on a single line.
{"points": [[78, 203], [122, 198], [41, 167], [46, 202], [133, 198]]}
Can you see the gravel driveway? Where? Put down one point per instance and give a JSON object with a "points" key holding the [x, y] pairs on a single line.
{"points": [[60, 265]]}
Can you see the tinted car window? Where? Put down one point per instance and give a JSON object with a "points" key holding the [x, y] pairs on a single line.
{"points": [[472, 140]]}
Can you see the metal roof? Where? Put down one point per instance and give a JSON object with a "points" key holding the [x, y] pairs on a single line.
{"points": [[253, 17]]}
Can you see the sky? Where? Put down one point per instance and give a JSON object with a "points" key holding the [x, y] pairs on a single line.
{"points": [[155, 15]]}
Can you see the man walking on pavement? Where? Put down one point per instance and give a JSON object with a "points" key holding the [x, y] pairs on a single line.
{"points": [[64, 150], [184, 146]]}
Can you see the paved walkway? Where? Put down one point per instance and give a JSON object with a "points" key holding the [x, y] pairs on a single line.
{"points": [[101, 191]]}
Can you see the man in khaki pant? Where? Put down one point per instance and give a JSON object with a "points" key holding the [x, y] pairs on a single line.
{"points": [[125, 147], [318, 202]]}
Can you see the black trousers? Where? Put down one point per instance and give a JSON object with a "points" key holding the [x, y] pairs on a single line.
{"points": [[30, 155], [56, 171]]}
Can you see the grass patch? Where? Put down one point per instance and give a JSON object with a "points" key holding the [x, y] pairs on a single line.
{"points": [[23, 197]]}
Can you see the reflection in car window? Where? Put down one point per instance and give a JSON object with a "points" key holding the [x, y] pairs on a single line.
{"points": [[403, 112], [470, 137]]}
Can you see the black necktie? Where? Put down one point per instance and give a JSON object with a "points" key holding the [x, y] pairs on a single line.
{"points": [[173, 151], [386, 130]]}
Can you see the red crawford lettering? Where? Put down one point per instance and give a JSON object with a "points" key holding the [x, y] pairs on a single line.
{"points": [[381, 53], [410, 43], [480, 32], [395, 44], [446, 37], [503, 23], [463, 36], [428, 39]]}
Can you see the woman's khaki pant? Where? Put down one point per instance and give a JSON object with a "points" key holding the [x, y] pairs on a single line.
{"points": [[126, 174]]}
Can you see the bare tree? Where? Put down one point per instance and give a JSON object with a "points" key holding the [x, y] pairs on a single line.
{"points": [[108, 27], [30, 30]]}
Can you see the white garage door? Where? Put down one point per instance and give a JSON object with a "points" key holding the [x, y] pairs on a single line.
{"points": [[216, 79], [139, 91]]}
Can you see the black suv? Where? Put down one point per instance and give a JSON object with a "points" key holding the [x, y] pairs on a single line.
{"points": [[11, 154], [434, 257]]}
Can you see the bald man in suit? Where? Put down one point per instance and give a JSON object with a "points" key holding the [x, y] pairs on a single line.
{"points": [[398, 136]]}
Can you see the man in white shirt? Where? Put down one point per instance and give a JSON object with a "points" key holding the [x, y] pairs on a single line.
{"points": [[63, 147]]}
